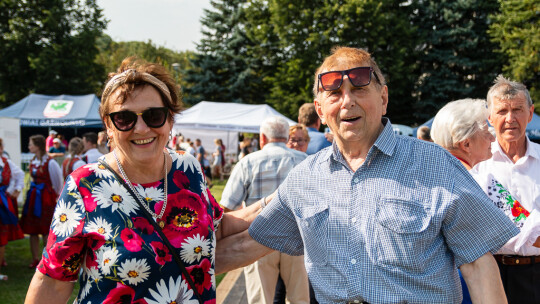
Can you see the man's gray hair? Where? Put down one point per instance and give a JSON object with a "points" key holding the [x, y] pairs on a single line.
{"points": [[505, 89], [457, 121], [275, 127]]}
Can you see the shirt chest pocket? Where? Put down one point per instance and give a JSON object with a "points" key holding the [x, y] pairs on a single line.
{"points": [[313, 224], [401, 233]]}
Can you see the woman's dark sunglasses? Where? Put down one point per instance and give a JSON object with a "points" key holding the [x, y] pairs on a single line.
{"points": [[359, 77], [126, 120]]}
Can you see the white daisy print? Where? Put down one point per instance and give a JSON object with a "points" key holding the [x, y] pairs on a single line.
{"points": [[189, 162], [112, 194], [134, 271], [213, 250], [176, 292], [66, 218], [85, 289], [107, 257], [150, 193], [100, 226], [212, 278], [93, 274], [194, 248], [98, 169], [70, 184]]}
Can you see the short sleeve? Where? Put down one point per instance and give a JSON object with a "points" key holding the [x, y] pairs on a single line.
{"points": [[66, 245], [275, 227], [235, 191], [473, 225]]}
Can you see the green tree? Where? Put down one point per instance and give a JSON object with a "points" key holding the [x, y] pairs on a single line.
{"points": [[112, 53], [516, 29], [49, 47], [296, 38], [222, 70], [457, 58]]}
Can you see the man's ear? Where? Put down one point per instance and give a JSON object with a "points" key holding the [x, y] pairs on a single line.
{"points": [[319, 111], [384, 97], [465, 145]]}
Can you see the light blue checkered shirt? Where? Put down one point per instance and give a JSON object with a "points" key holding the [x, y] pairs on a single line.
{"points": [[394, 231], [259, 174]]}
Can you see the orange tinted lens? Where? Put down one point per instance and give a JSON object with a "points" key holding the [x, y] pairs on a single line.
{"points": [[360, 76], [331, 81]]}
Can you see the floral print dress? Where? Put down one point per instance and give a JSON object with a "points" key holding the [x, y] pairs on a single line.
{"points": [[100, 236]]}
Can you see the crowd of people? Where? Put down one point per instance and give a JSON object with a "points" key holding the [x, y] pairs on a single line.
{"points": [[357, 214]]}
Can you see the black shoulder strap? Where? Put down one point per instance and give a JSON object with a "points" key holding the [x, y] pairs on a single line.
{"points": [[158, 229]]}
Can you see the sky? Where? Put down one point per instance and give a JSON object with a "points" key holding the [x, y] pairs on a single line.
{"points": [[174, 24]]}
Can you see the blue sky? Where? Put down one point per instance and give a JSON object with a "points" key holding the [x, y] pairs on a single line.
{"points": [[174, 24]]}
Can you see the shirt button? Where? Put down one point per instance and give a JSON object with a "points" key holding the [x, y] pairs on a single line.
{"points": [[353, 220], [356, 301], [355, 180], [353, 261]]}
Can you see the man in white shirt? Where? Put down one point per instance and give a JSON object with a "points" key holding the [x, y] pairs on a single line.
{"points": [[514, 166], [91, 153]]}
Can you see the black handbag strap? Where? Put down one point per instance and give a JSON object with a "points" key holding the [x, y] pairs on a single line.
{"points": [[158, 229]]}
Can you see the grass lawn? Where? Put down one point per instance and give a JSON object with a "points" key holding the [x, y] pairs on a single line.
{"points": [[13, 291]]}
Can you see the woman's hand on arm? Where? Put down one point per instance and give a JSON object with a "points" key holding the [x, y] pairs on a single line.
{"points": [[44, 289]]}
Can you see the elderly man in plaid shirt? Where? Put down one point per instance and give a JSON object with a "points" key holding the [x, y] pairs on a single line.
{"points": [[256, 176], [380, 218]]}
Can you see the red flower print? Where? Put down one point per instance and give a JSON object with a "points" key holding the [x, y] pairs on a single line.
{"points": [[162, 253], [94, 241], [64, 259], [143, 225], [180, 179], [122, 294], [200, 276], [517, 209], [89, 201], [132, 241], [185, 216], [218, 210]]}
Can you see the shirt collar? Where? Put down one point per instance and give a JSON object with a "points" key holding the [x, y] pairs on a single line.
{"points": [[498, 153], [275, 144], [386, 143]]}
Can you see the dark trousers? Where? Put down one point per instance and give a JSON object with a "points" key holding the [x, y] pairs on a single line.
{"points": [[521, 283]]}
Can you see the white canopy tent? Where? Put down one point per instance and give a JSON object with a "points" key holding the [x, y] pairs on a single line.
{"points": [[209, 120]]}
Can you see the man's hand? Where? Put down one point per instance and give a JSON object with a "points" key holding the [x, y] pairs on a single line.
{"points": [[15, 194]]}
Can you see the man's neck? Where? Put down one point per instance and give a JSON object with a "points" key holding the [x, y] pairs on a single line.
{"points": [[514, 149]]}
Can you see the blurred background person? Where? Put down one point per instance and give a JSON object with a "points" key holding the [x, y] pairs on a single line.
{"points": [[73, 158], [46, 184], [423, 133], [298, 138], [3, 153], [219, 159], [245, 147], [102, 142], [63, 141], [49, 140], [57, 150], [11, 184], [91, 153], [307, 115]]}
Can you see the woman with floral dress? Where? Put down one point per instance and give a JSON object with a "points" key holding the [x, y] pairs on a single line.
{"points": [[11, 184], [41, 198], [100, 233]]}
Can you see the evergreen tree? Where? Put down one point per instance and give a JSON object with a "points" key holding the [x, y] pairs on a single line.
{"points": [[49, 47], [221, 70], [516, 29], [457, 58]]}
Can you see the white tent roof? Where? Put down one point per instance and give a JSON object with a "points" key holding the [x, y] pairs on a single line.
{"points": [[226, 116]]}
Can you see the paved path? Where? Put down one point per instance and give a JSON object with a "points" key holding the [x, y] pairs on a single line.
{"points": [[232, 289]]}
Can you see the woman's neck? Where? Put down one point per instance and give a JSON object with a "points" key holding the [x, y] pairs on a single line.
{"points": [[138, 173]]}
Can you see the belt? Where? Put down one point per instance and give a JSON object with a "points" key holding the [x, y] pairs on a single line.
{"points": [[516, 259]]}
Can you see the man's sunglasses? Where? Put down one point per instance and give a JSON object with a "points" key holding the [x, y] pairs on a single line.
{"points": [[359, 77], [126, 120]]}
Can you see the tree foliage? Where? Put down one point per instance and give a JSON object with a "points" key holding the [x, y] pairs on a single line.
{"points": [[49, 47], [457, 58], [112, 53], [516, 29]]}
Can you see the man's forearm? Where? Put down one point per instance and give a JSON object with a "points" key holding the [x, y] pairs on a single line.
{"points": [[237, 251], [484, 280]]}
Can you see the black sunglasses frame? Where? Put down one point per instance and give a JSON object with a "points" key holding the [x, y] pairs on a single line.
{"points": [[144, 115], [346, 72]]}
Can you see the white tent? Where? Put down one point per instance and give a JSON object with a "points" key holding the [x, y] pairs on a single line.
{"points": [[208, 120]]}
